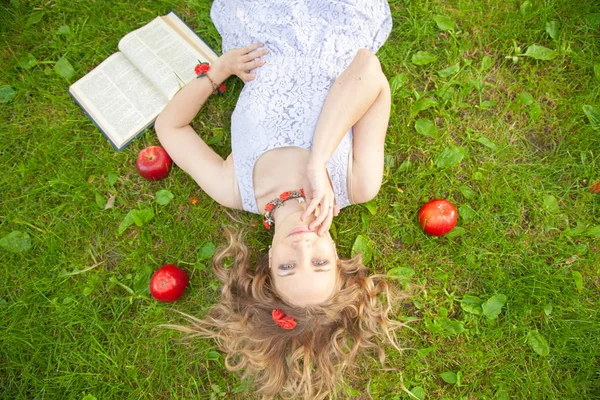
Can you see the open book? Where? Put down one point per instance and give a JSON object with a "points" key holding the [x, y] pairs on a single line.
{"points": [[126, 92]]}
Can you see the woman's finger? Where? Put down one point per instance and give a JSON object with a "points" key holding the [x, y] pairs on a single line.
{"points": [[251, 47], [325, 225], [312, 205], [255, 54], [247, 76], [325, 210], [253, 64], [323, 216]]}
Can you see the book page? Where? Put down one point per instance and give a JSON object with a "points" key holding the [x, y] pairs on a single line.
{"points": [[190, 36], [162, 55], [119, 98]]}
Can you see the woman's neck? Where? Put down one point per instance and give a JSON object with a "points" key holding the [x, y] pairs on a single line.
{"points": [[278, 171]]}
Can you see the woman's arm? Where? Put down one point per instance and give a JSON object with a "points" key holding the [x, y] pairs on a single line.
{"points": [[214, 175], [359, 98]]}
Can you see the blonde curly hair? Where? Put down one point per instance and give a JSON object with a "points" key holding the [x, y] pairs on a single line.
{"points": [[310, 360]]}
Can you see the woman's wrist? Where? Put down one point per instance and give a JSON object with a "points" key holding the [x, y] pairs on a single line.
{"points": [[213, 84], [316, 161], [315, 169], [218, 73], [212, 74]]}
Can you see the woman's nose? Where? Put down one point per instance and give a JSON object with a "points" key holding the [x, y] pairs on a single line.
{"points": [[301, 243]]}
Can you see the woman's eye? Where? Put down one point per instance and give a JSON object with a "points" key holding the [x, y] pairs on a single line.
{"points": [[286, 266], [320, 262]]}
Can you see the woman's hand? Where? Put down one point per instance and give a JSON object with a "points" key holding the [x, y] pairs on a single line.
{"points": [[240, 62], [319, 194]]}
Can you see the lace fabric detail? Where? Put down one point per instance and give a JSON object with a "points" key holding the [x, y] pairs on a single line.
{"points": [[310, 43]]}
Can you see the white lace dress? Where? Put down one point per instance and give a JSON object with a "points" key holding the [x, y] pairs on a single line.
{"points": [[310, 43]]}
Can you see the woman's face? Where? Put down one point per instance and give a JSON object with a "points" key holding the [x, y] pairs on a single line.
{"points": [[303, 264]]}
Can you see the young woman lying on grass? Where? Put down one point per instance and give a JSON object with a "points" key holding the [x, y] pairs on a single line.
{"points": [[307, 138]]}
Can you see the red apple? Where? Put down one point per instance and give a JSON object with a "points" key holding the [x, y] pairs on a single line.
{"points": [[168, 283], [154, 163], [438, 217]]}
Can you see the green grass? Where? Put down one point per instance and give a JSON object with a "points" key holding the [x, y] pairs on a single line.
{"points": [[522, 190]]}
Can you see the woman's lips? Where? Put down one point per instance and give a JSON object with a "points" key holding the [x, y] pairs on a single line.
{"points": [[301, 229]]}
